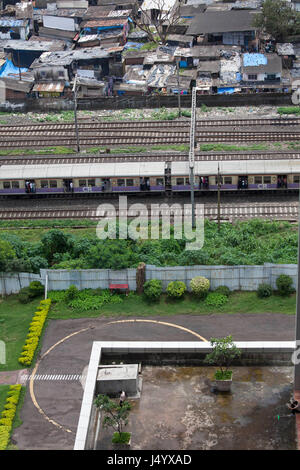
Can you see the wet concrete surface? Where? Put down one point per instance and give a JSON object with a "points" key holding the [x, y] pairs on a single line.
{"points": [[179, 410]]}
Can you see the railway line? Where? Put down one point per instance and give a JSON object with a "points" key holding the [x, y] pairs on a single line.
{"points": [[130, 138], [228, 212], [150, 157]]}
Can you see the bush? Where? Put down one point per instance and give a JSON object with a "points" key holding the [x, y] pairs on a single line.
{"points": [[36, 289], [24, 296], [200, 286], [153, 289], [122, 438], [264, 290], [8, 415], [216, 300], [223, 290], [71, 293], [176, 289], [284, 284]]}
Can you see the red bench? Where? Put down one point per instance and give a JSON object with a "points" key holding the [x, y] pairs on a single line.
{"points": [[119, 287]]}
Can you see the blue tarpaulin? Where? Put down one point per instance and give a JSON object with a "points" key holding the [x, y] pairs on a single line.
{"points": [[133, 45], [252, 60], [9, 69], [225, 90]]}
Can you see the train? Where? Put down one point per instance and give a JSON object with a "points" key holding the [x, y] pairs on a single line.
{"points": [[152, 177]]}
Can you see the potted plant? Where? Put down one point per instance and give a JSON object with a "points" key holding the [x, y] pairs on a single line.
{"points": [[116, 417], [223, 353]]}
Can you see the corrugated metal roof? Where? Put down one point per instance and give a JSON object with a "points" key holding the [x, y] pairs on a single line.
{"points": [[56, 87], [103, 23]]}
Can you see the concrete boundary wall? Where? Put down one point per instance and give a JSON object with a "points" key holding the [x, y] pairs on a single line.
{"points": [[246, 278], [84, 440]]}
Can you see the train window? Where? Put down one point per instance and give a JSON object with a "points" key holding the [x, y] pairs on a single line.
{"points": [[92, 182], [15, 184], [159, 181], [258, 179], [82, 183], [44, 184], [129, 182], [120, 182], [267, 179], [187, 181], [227, 180], [6, 184], [296, 178], [179, 181], [53, 184]]}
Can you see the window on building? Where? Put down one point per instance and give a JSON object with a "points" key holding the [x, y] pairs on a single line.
{"points": [[267, 179], [252, 76], [6, 184], [15, 184], [82, 183], [271, 76], [258, 179], [120, 182], [53, 184]]}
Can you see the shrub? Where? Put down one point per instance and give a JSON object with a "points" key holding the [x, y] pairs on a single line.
{"points": [[24, 295], [176, 289], [284, 284], [224, 290], [71, 293], [216, 300], [153, 289], [121, 438], [36, 289], [34, 333], [8, 415], [200, 286], [264, 290]]}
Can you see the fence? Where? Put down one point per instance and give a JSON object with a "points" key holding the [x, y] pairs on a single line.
{"points": [[235, 277], [147, 101]]}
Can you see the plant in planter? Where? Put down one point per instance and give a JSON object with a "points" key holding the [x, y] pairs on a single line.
{"points": [[116, 417], [223, 353]]}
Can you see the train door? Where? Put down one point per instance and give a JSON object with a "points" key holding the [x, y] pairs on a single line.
{"points": [[30, 186], [68, 185], [168, 182], [243, 182], [106, 185], [145, 183], [281, 181]]}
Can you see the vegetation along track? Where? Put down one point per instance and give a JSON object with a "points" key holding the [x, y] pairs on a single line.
{"points": [[279, 211]]}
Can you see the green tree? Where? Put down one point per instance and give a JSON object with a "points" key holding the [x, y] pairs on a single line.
{"points": [[115, 415], [55, 241], [278, 19], [223, 353], [7, 254]]}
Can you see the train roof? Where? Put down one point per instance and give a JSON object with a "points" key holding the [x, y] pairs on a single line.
{"points": [[236, 167], [83, 170]]}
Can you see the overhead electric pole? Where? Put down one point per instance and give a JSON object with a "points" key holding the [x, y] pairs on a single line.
{"points": [[192, 151], [75, 112]]}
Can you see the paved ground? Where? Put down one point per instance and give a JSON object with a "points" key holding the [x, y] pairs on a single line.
{"points": [[12, 377], [190, 415], [50, 422]]}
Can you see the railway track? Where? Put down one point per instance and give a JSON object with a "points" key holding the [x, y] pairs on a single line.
{"points": [[84, 124], [111, 158], [229, 212], [104, 139]]}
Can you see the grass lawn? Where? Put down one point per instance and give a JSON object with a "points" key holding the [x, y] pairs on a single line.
{"points": [[239, 302], [14, 323]]}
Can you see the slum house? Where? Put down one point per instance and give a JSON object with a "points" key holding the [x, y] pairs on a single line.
{"points": [[15, 89], [158, 77], [230, 75], [225, 27], [88, 87], [152, 9], [11, 28], [263, 72], [180, 40], [134, 57], [23, 53], [137, 35], [120, 26], [64, 20], [162, 55], [287, 53], [134, 81], [183, 87], [105, 12], [119, 4], [190, 11]]}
